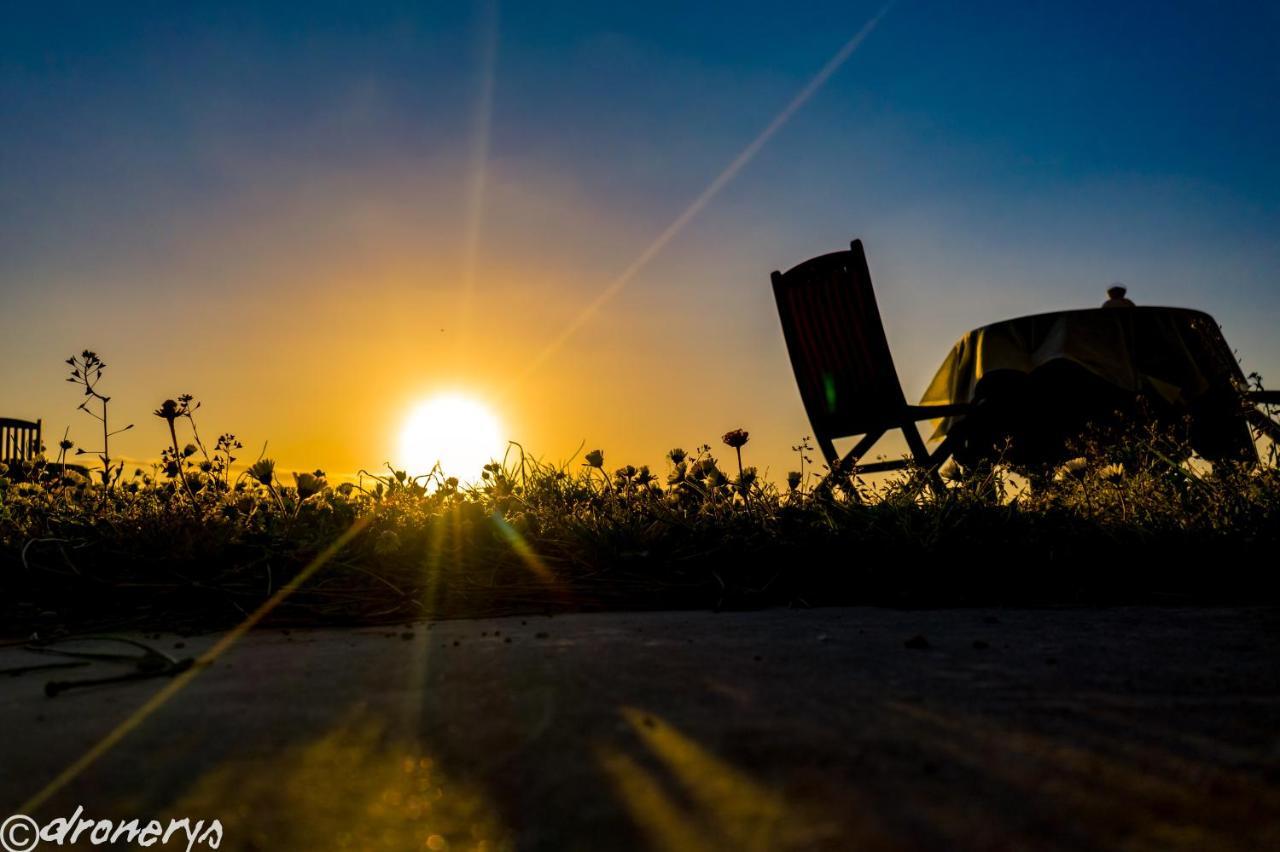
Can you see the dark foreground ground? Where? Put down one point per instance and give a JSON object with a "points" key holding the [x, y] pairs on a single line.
{"points": [[1127, 728]]}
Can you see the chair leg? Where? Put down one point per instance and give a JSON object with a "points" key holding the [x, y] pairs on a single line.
{"points": [[916, 444], [828, 449], [842, 469], [860, 449], [1264, 424], [921, 455], [939, 456]]}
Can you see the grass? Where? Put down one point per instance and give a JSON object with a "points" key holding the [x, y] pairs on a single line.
{"points": [[192, 546]]}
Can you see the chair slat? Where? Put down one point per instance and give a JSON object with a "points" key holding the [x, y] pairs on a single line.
{"points": [[839, 351], [19, 439]]}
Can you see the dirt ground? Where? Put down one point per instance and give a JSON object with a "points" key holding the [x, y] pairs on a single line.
{"points": [[1127, 728]]}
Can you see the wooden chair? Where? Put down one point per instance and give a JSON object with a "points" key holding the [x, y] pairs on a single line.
{"points": [[19, 440], [843, 365]]}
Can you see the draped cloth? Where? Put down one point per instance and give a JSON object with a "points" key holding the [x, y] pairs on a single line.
{"points": [[1068, 361]]}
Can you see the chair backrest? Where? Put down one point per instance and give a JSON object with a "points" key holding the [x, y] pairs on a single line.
{"points": [[19, 439], [837, 344]]}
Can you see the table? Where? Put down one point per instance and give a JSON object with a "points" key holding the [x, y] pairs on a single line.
{"points": [[1039, 380]]}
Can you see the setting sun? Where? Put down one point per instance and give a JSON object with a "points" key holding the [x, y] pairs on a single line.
{"points": [[459, 432]]}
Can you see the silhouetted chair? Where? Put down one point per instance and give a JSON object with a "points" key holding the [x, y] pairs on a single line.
{"points": [[19, 440], [842, 363]]}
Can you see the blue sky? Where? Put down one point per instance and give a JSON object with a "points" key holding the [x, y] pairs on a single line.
{"points": [[249, 181]]}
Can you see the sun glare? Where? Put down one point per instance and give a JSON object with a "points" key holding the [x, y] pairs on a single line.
{"points": [[457, 431]]}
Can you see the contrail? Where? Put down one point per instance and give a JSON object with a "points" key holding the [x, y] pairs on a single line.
{"points": [[721, 181]]}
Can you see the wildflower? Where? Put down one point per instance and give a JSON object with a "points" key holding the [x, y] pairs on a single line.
{"points": [[793, 480], [626, 472], [345, 489], [595, 458], [452, 483], [387, 543], [677, 455], [189, 450], [169, 411], [737, 438], [263, 471], [951, 471], [309, 484], [703, 468], [745, 480], [65, 444], [1072, 469], [643, 476], [1112, 472]]}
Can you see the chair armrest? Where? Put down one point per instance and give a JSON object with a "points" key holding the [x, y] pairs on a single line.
{"points": [[930, 412], [1263, 397]]}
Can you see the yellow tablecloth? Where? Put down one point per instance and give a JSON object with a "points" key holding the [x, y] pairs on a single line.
{"points": [[1174, 354]]}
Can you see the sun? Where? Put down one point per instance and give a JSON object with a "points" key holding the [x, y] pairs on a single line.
{"points": [[458, 431]]}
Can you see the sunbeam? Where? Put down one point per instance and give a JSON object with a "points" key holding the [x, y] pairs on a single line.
{"points": [[524, 550], [478, 171], [173, 687], [712, 190]]}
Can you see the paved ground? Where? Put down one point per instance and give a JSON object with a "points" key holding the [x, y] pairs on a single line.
{"points": [[1013, 729]]}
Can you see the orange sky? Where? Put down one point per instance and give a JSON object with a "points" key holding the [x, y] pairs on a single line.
{"points": [[280, 215]]}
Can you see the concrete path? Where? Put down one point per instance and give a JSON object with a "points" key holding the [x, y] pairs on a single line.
{"points": [[995, 729]]}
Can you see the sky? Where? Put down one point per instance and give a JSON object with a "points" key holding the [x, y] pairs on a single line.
{"points": [[314, 216]]}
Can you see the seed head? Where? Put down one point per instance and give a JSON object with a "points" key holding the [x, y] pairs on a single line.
{"points": [[169, 410]]}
